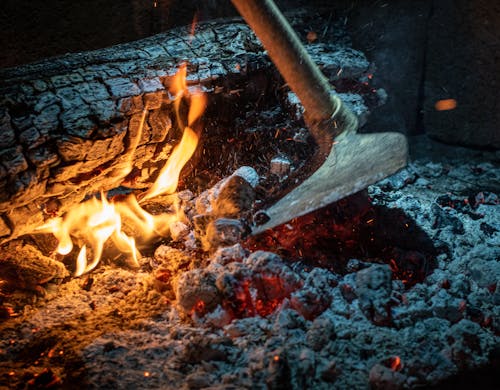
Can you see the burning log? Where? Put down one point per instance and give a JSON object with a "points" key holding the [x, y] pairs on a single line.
{"points": [[70, 126], [93, 122]]}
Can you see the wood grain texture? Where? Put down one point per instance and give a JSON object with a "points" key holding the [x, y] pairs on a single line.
{"points": [[67, 123]]}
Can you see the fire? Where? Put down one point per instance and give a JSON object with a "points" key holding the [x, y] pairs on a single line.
{"points": [[99, 221], [169, 175], [395, 363]]}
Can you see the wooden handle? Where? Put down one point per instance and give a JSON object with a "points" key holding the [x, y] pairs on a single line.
{"points": [[298, 69]]}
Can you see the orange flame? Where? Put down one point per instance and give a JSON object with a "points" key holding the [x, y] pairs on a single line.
{"points": [[95, 222], [168, 178]]}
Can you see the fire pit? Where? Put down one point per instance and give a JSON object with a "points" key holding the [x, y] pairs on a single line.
{"points": [[133, 181]]}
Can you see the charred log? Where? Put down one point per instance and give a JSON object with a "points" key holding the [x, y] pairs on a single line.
{"points": [[68, 123]]}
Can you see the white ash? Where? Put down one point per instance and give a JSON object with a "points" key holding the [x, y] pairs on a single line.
{"points": [[146, 328]]}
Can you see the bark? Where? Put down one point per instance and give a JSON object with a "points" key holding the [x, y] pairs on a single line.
{"points": [[67, 124]]}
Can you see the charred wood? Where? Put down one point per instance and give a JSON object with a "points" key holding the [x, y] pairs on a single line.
{"points": [[68, 123]]}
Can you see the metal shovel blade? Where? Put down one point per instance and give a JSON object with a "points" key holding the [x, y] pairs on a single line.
{"points": [[355, 162]]}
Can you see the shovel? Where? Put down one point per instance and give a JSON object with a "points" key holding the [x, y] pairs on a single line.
{"points": [[347, 161]]}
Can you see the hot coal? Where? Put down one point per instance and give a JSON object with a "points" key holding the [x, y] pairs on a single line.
{"points": [[241, 317], [393, 288], [353, 229]]}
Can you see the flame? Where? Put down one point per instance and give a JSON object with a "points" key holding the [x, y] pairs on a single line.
{"points": [[168, 177], [128, 164], [97, 221]]}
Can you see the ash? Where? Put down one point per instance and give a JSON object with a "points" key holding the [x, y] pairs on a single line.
{"points": [[392, 288], [207, 311]]}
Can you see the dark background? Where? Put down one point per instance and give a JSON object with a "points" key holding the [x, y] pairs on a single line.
{"points": [[424, 50]]}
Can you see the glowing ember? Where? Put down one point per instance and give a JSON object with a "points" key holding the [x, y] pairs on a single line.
{"points": [[395, 363], [445, 105], [95, 222]]}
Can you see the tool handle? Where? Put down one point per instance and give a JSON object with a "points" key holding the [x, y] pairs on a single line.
{"points": [[296, 66]]}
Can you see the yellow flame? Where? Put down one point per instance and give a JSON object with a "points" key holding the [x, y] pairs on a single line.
{"points": [[128, 164], [168, 178], [169, 175], [95, 222]]}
